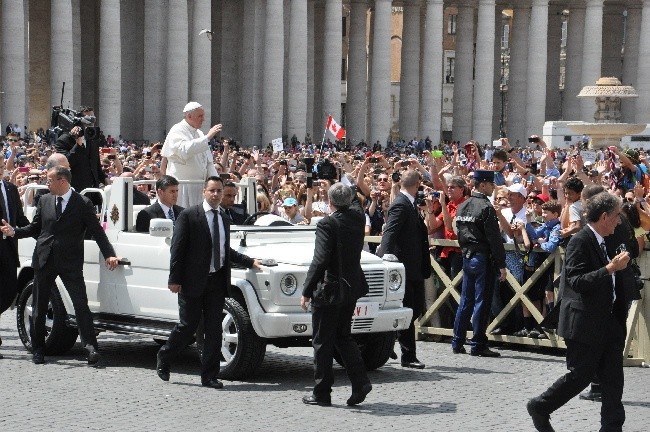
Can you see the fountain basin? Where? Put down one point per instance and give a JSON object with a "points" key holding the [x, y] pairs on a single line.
{"points": [[606, 134]]}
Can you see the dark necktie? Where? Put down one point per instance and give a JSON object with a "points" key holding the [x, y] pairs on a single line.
{"points": [[59, 206], [170, 215], [216, 242], [603, 248], [4, 212]]}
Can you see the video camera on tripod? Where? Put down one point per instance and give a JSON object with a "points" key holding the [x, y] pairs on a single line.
{"points": [[325, 170], [64, 119]]}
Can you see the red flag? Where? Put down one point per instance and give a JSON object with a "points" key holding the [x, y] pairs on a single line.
{"points": [[336, 130]]}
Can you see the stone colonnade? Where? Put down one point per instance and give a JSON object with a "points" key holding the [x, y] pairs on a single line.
{"points": [[273, 67]]}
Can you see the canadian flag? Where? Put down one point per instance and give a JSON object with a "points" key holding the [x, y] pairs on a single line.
{"points": [[333, 127]]}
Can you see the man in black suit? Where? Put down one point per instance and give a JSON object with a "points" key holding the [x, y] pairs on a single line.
{"points": [[592, 319], [12, 212], [59, 225], [199, 273], [405, 236], [164, 208], [331, 320], [236, 212], [83, 155]]}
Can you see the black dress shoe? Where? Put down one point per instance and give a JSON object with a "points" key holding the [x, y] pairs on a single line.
{"points": [[93, 354], [213, 383], [357, 398], [393, 355], [38, 358], [313, 400], [414, 364], [485, 352], [542, 422], [460, 350], [592, 395], [162, 369]]}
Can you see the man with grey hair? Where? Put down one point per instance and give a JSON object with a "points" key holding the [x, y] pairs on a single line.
{"points": [[592, 318], [188, 154], [405, 236], [333, 286]]}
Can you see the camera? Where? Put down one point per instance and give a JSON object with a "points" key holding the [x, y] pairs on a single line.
{"points": [[64, 119], [420, 198], [405, 164], [396, 177], [435, 194], [326, 170], [533, 139], [374, 160], [283, 162]]}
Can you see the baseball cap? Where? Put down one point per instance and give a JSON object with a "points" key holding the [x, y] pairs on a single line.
{"points": [[518, 188], [289, 202], [542, 197]]}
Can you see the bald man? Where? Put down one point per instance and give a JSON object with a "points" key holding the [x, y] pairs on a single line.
{"points": [[188, 154]]}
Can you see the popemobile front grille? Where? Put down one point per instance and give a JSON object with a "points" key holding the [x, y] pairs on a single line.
{"points": [[376, 283], [362, 324]]}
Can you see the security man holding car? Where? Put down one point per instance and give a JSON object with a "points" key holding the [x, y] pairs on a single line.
{"points": [[482, 248], [333, 285]]}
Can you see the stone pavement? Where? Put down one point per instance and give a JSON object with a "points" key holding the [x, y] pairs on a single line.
{"points": [[453, 393]]}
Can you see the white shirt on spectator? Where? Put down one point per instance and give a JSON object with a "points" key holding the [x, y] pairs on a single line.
{"points": [[188, 158], [520, 216]]}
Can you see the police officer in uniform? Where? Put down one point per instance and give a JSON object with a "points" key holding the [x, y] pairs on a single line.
{"points": [[482, 249]]}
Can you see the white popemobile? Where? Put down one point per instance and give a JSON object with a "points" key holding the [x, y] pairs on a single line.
{"points": [[262, 306]]}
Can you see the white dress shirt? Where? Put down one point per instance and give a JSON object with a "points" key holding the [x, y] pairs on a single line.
{"points": [[209, 215]]}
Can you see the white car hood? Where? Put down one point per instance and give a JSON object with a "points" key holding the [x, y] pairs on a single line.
{"points": [[300, 254]]}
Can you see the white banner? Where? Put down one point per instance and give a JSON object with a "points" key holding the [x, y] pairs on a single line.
{"points": [[278, 146], [588, 156]]}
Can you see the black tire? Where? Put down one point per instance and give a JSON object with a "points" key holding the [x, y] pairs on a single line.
{"points": [[59, 338], [247, 353], [376, 349]]}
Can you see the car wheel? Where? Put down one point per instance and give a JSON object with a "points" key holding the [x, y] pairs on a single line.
{"points": [[376, 349], [59, 338], [242, 350]]}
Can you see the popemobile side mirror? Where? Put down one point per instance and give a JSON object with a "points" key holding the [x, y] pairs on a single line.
{"points": [[161, 228]]}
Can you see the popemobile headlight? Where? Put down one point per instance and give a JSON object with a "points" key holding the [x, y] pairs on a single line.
{"points": [[289, 284], [394, 280]]}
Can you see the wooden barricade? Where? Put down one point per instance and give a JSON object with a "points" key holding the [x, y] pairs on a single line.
{"points": [[637, 343]]}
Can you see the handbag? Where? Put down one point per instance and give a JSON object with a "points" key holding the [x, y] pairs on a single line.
{"points": [[332, 293]]}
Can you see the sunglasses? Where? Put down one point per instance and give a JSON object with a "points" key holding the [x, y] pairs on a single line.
{"points": [[382, 179]]}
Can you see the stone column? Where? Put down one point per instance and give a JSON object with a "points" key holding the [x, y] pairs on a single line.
{"points": [[484, 79], [216, 14], [631, 60], [251, 72], [573, 81], [537, 52], [553, 99], [231, 56], [297, 84], [355, 107], [39, 67], [516, 126], [463, 70], [612, 41], [132, 71], [272, 102], [310, 70], [14, 64], [65, 53], [432, 72], [110, 67], [592, 51], [319, 52], [176, 92], [332, 60], [643, 77], [155, 49], [380, 80], [200, 73], [409, 91]]}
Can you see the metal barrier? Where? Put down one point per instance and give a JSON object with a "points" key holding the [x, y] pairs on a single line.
{"points": [[637, 343]]}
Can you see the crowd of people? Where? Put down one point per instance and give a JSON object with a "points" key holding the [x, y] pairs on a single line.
{"points": [[531, 196]]}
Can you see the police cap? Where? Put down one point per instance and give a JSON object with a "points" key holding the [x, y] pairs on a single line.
{"points": [[484, 176]]}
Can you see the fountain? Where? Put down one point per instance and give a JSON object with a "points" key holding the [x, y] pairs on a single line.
{"points": [[607, 129]]}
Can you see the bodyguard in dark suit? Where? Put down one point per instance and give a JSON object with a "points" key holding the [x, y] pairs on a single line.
{"points": [[405, 236], [61, 220], [332, 314], [236, 212], [164, 208], [12, 212], [592, 319], [200, 274]]}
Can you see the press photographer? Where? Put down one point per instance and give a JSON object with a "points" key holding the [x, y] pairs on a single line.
{"points": [[81, 144]]}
